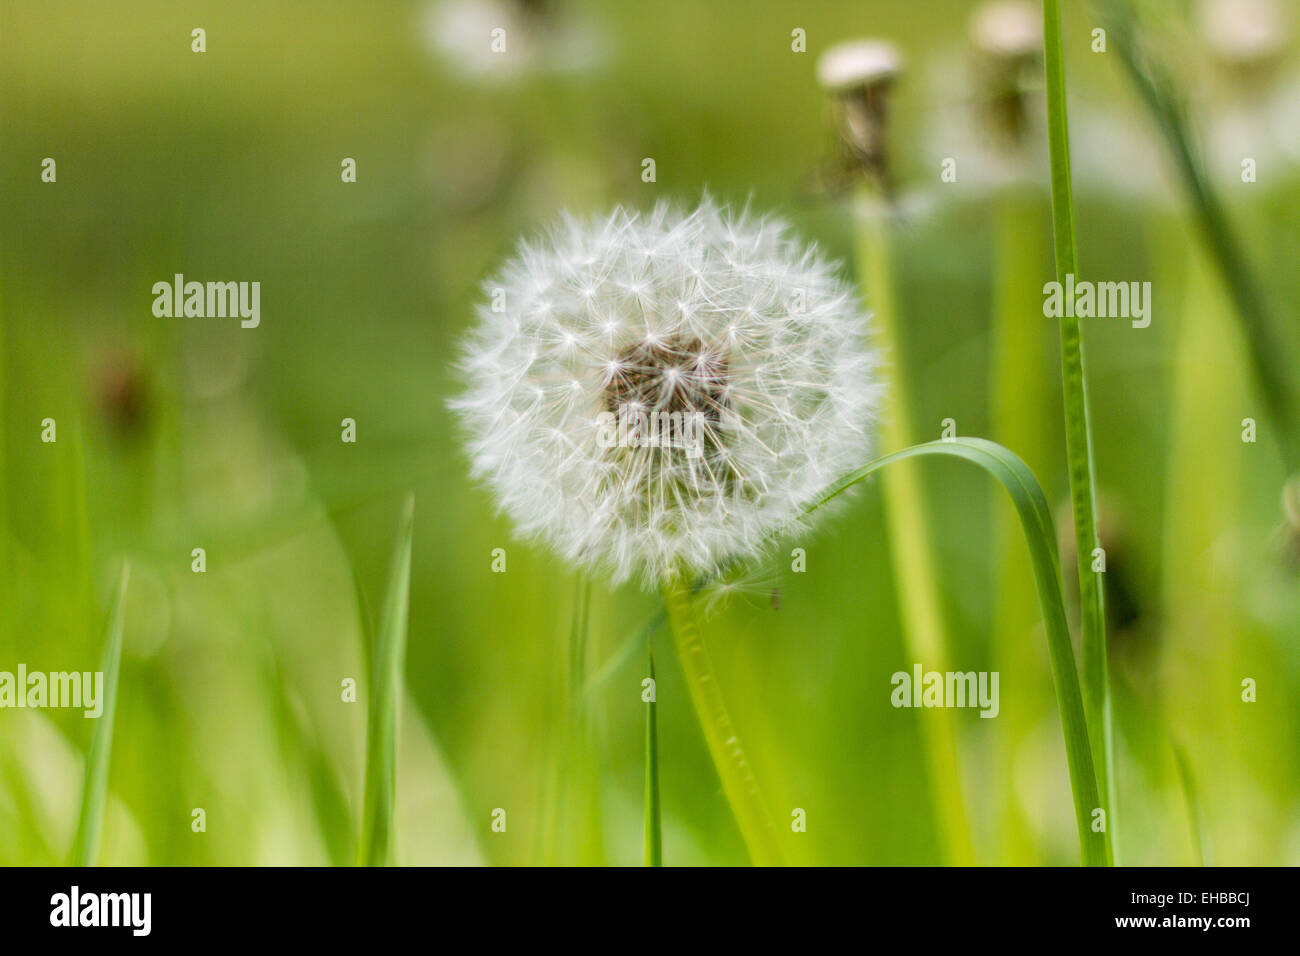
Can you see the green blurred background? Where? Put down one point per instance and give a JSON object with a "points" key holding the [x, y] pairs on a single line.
{"points": [[175, 434]]}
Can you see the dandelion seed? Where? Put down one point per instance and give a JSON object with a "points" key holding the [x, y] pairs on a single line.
{"points": [[742, 410]]}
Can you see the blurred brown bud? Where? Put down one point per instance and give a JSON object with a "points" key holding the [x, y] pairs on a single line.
{"points": [[860, 74]]}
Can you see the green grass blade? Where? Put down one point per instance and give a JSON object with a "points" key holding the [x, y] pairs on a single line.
{"points": [[738, 781], [1040, 535], [580, 807], [654, 850], [94, 793], [1187, 781], [1078, 436], [385, 699], [303, 750], [624, 656]]}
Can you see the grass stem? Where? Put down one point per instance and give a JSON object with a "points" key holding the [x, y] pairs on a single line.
{"points": [[378, 825], [1078, 436], [654, 851], [581, 807], [94, 794]]}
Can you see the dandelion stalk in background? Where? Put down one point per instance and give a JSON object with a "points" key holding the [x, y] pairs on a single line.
{"points": [[1007, 42], [859, 73], [1078, 437], [94, 794], [1200, 585], [1019, 400], [1203, 567], [661, 394]]}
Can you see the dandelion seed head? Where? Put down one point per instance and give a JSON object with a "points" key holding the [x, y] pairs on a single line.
{"points": [[1011, 29], [1245, 32], [678, 317], [855, 63]]}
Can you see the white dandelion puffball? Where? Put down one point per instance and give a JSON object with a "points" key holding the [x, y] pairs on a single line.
{"points": [[660, 394]]}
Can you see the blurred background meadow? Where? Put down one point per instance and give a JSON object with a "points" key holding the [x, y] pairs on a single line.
{"points": [[176, 434]]}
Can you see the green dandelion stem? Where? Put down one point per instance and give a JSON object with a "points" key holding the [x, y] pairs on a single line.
{"points": [[907, 525], [1019, 397], [738, 781]]}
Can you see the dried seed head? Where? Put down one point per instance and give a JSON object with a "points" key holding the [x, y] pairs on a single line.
{"points": [[1008, 39], [1007, 30], [1244, 34], [661, 394], [854, 64], [860, 74]]}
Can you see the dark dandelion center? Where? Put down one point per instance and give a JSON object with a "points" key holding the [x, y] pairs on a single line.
{"points": [[683, 376], [672, 384]]}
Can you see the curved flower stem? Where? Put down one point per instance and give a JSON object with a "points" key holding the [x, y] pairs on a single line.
{"points": [[1040, 535], [1078, 436], [738, 781]]}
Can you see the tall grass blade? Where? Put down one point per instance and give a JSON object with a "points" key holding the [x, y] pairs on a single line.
{"points": [[654, 850], [377, 826], [1078, 436], [94, 793], [624, 656], [1040, 536], [581, 804]]}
